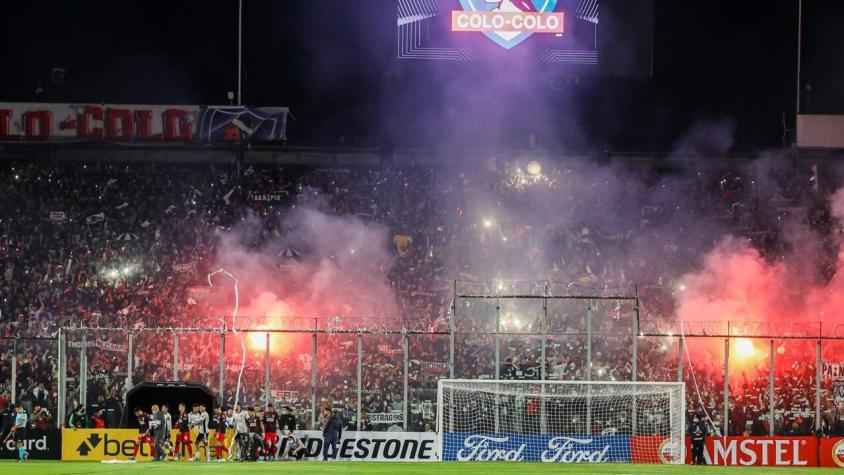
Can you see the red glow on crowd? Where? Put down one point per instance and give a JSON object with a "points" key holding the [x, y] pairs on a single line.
{"points": [[267, 311]]}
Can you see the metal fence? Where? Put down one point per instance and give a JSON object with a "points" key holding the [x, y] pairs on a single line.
{"points": [[771, 372]]}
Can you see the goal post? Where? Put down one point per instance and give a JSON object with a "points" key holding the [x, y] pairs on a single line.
{"points": [[560, 421]]}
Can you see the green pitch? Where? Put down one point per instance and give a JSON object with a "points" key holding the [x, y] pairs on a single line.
{"points": [[37, 467]]}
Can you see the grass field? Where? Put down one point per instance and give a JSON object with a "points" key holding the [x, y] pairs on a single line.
{"points": [[37, 467]]}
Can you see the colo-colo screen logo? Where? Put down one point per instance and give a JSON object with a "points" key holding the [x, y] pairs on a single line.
{"points": [[559, 449], [508, 22]]}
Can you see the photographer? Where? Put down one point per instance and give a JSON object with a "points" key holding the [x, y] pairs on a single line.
{"points": [[295, 447]]}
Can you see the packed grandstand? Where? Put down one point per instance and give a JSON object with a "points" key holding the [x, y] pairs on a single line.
{"points": [[115, 245]]}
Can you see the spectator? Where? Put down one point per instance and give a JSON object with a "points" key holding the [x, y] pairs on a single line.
{"points": [[97, 421], [78, 419], [40, 397], [119, 246]]}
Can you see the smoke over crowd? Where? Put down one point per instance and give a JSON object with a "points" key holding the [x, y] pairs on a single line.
{"points": [[320, 265], [721, 242], [800, 283], [308, 264]]}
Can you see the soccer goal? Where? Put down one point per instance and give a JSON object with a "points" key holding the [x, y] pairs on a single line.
{"points": [[560, 421]]}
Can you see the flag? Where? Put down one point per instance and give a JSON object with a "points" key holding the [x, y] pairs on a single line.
{"points": [[237, 122], [256, 124], [227, 196], [95, 218], [127, 237]]}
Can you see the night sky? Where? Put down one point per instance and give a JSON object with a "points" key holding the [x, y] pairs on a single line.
{"points": [[712, 60]]}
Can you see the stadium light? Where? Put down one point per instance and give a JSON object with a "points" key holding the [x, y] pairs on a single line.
{"points": [[534, 167]]}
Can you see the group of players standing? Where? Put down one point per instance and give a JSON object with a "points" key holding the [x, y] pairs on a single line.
{"points": [[256, 433]]}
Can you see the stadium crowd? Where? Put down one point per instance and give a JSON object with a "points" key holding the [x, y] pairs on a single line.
{"points": [[120, 246]]}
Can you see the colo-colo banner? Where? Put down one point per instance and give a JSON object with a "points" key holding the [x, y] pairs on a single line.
{"points": [[140, 124], [41, 445]]}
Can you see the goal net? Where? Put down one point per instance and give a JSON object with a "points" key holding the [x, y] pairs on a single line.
{"points": [[560, 421]]}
